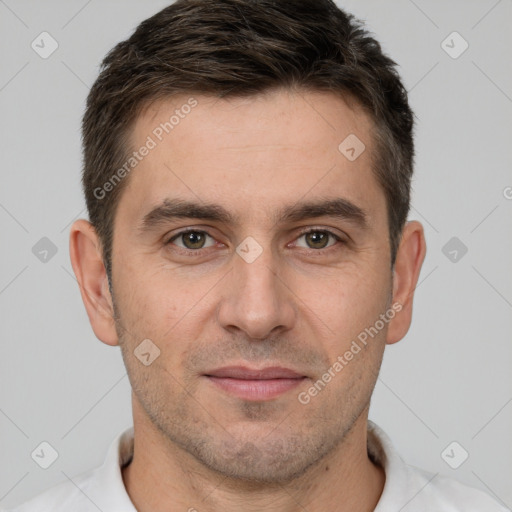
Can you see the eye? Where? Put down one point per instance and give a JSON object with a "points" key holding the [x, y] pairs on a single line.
{"points": [[192, 239], [318, 239]]}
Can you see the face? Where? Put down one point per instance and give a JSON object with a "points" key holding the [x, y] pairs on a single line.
{"points": [[252, 253]]}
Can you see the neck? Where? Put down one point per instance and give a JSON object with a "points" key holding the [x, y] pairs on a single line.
{"points": [[163, 477]]}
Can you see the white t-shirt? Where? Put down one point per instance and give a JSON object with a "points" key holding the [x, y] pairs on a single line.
{"points": [[407, 489]]}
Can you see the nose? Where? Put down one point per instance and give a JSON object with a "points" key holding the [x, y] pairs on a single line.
{"points": [[257, 299]]}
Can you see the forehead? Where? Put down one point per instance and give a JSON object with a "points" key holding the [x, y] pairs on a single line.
{"points": [[262, 150], [312, 119]]}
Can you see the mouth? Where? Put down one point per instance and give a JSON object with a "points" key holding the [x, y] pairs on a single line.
{"points": [[255, 384]]}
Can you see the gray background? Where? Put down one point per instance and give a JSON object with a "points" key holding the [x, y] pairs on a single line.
{"points": [[448, 380]]}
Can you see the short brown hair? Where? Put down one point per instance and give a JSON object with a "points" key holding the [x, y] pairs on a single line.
{"points": [[239, 48]]}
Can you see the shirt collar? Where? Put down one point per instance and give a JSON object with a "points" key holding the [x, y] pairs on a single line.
{"points": [[383, 453], [120, 454], [109, 482]]}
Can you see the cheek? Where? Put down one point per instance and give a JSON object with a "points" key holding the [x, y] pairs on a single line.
{"points": [[156, 303], [345, 303]]}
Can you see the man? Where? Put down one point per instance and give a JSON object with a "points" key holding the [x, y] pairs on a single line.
{"points": [[247, 170]]}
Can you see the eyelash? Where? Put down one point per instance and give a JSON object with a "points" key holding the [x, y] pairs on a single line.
{"points": [[199, 252]]}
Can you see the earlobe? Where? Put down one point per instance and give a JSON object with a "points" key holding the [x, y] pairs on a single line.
{"points": [[410, 256], [87, 262]]}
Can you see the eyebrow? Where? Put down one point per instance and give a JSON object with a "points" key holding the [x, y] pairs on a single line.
{"points": [[171, 209]]}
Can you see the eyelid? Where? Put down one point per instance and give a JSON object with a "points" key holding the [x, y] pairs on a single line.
{"points": [[310, 229]]}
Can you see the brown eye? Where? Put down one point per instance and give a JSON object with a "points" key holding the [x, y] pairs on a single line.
{"points": [[191, 240], [318, 239]]}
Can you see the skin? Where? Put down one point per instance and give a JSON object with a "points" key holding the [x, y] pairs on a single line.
{"points": [[298, 305]]}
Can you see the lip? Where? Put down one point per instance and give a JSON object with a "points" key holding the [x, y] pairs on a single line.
{"points": [[255, 384]]}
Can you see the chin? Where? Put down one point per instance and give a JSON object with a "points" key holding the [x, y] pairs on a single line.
{"points": [[269, 461]]}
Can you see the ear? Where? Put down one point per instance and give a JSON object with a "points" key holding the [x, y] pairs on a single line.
{"points": [[87, 262], [409, 259]]}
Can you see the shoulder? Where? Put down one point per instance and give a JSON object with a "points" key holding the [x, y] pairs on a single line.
{"points": [[434, 491], [101, 488], [410, 489], [65, 496]]}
